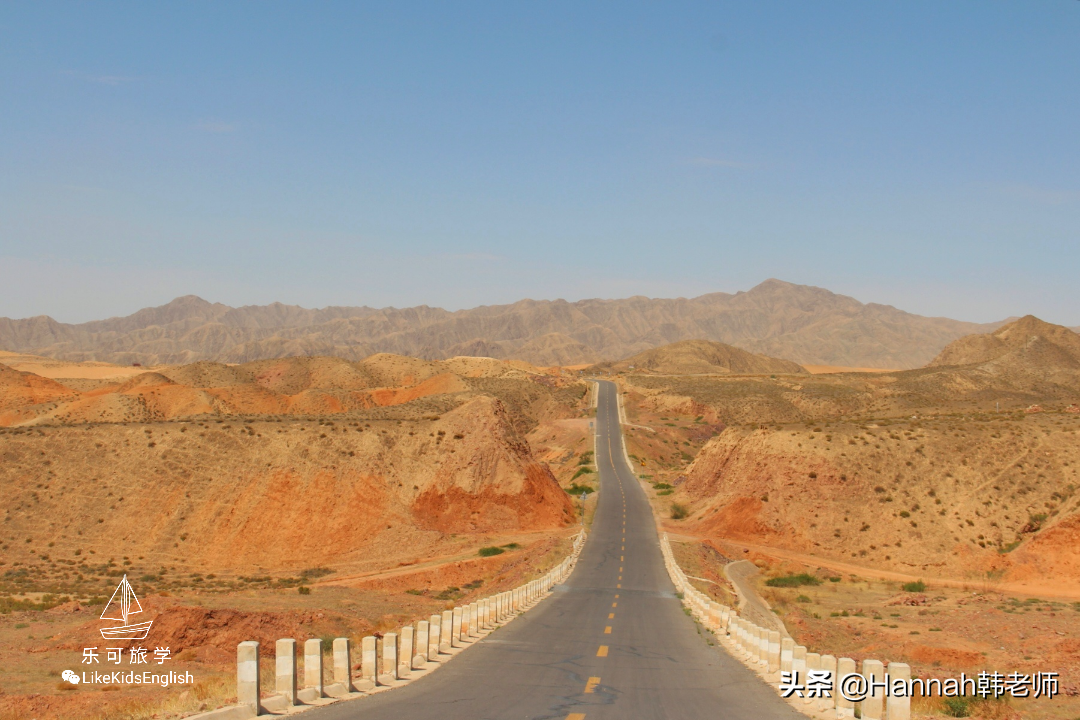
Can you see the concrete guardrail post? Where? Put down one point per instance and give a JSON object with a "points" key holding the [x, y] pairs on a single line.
{"points": [[844, 708], [343, 663], [466, 623], [763, 647], [247, 676], [285, 665], [434, 636], [406, 645], [474, 620], [828, 664], [798, 663], [774, 651], [455, 633], [389, 659], [423, 641], [898, 707], [787, 647], [446, 632], [813, 663], [369, 660], [873, 706], [313, 670]]}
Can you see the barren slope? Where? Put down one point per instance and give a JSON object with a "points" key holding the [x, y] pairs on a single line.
{"points": [[700, 357], [805, 324]]}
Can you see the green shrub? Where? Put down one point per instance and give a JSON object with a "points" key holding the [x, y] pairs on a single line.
{"points": [[491, 550], [304, 590], [956, 707], [665, 492], [582, 471], [576, 489], [678, 512], [793, 580], [803, 599], [511, 546], [917, 586], [661, 486]]}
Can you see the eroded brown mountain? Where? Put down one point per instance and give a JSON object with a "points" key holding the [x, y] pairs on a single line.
{"points": [[804, 324]]}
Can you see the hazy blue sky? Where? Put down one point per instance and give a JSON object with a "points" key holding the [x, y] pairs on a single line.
{"points": [[921, 154]]}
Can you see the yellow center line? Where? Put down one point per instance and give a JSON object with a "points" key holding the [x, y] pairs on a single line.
{"points": [[602, 652], [620, 558], [614, 604], [611, 616], [576, 716], [619, 586], [616, 596], [593, 682], [607, 630]]}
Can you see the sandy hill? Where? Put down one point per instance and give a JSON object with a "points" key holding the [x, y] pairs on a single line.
{"points": [[700, 357], [806, 324], [304, 386], [1027, 362], [199, 496], [1029, 344]]}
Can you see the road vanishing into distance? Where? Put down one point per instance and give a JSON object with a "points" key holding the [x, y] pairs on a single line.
{"points": [[611, 643]]}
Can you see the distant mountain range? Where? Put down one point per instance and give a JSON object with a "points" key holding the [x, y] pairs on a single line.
{"points": [[807, 325]]}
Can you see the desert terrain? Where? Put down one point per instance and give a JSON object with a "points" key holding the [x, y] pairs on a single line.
{"points": [[303, 497], [962, 476], [322, 496]]}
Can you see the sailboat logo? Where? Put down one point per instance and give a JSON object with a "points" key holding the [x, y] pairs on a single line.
{"points": [[121, 606]]}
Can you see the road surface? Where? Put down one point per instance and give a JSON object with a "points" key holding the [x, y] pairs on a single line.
{"points": [[612, 643]]}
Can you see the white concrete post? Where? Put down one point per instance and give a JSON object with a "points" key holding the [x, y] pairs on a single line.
{"points": [[714, 615], [423, 641], [247, 676], [455, 633], [844, 707], [446, 632], [285, 664], [828, 664], [434, 637], [873, 707], [406, 639], [774, 650], [466, 623], [486, 614], [343, 663], [369, 660], [474, 620], [389, 656], [798, 663], [813, 662], [787, 647], [898, 707], [763, 647], [313, 665]]}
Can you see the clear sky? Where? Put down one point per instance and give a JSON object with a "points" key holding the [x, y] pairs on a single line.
{"points": [[921, 154]]}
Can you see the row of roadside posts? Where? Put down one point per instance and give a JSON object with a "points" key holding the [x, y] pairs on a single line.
{"points": [[773, 655], [386, 659]]}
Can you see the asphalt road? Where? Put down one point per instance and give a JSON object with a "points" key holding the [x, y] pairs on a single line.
{"points": [[612, 643]]}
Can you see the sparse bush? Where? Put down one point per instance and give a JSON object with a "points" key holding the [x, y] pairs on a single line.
{"points": [[917, 586], [491, 550], [576, 489], [789, 581], [803, 599], [304, 590], [678, 512]]}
